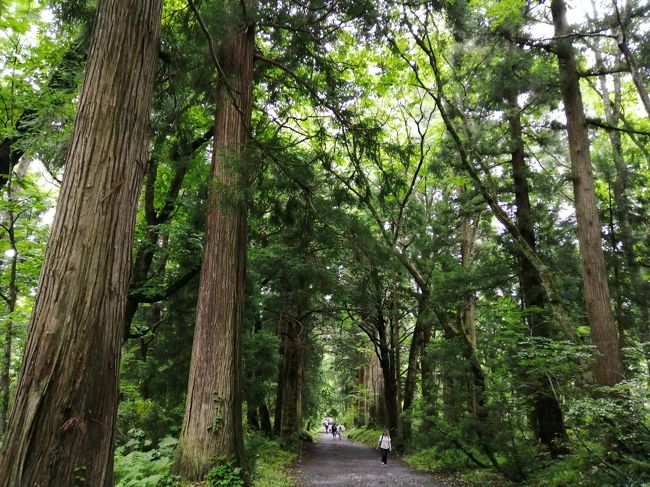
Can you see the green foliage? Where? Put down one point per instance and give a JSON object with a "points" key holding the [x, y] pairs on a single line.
{"points": [[268, 459], [367, 436], [158, 413], [139, 465], [355, 174], [438, 460], [224, 474]]}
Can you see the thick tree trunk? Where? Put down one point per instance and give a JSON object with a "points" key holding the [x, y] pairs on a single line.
{"points": [[391, 409], [548, 420], [61, 426], [609, 365], [212, 425]]}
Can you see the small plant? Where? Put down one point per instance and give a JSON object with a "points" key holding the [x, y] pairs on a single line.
{"points": [[224, 474]]}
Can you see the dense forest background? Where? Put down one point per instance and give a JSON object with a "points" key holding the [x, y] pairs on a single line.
{"points": [[429, 216]]}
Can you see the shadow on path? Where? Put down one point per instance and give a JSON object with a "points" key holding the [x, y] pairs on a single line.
{"points": [[346, 463]]}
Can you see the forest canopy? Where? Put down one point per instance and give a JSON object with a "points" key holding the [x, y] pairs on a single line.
{"points": [[222, 221]]}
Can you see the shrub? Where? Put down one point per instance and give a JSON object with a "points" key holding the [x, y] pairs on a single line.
{"points": [[224, 474], [137, 467]]}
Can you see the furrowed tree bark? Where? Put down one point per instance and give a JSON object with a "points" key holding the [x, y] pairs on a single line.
{"points": [[609, 365], [212, 426], [290, 413], [61, 425]]}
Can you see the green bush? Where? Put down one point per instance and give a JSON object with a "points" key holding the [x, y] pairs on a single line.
{"points": [[224, 474], [267, 460], [137, 466], [367, 436]]}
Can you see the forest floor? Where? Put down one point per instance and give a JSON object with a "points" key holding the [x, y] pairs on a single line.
{"points": [[345, 463]]}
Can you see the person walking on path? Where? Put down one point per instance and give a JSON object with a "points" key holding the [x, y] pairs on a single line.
{"points": [[385, 446]]}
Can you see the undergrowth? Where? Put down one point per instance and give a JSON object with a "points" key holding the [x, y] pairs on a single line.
{"points": [[139, 463]]}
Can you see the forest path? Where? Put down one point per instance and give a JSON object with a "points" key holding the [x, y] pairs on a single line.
{"points": [[346, 463]]}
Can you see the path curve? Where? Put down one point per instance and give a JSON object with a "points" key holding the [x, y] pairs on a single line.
{"points": [[345, 463]]}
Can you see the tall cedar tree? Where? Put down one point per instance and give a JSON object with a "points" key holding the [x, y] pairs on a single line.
{"points": [[61, 425], [609, 364], [548, 420], [212, 426]]}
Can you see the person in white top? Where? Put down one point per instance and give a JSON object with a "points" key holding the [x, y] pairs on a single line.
{"points": [[385, 446]]}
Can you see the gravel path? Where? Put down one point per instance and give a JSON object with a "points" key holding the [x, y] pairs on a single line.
{"points": [[345, 463]]}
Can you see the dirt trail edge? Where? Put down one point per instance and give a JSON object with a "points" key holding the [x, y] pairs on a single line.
{"points": [[346, 463]]}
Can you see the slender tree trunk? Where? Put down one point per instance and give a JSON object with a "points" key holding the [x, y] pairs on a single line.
{"points": [[265, 420], [428, 384], [61, 425], [548, 420], [279, 391], [180, 156], [609, 365], [362, 398], [212, 425], [292, 365], [253, 417], [386, 357], [395, 353], [639, 291], [415, 352], [11, 148], [467, 308], [12, 297], [467, 154], [624, 47]]}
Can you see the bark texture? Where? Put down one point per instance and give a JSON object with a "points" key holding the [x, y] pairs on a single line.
{"points": [[609, 365], [61, 426], [288, 412], [212, 425]]}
